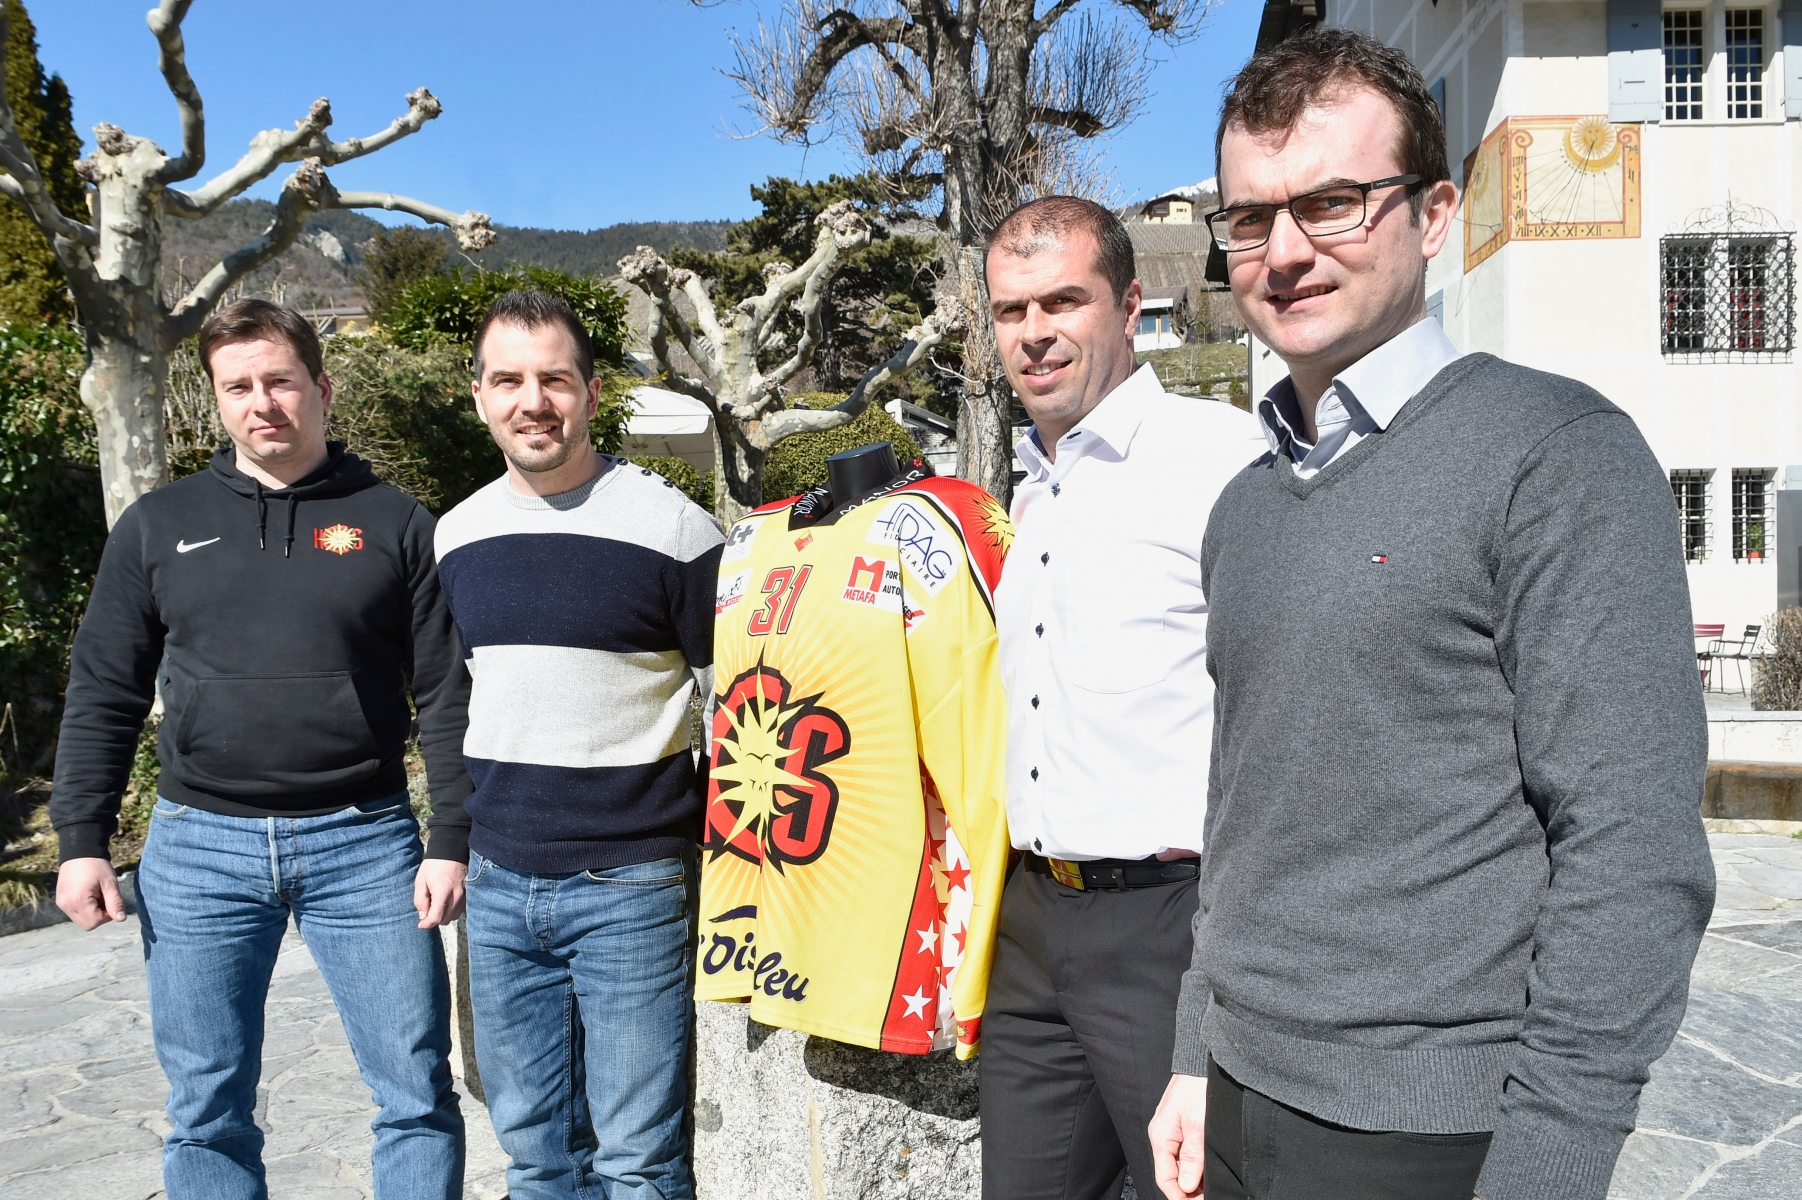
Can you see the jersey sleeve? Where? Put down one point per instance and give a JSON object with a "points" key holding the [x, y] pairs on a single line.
{"points": [[953, 655]]}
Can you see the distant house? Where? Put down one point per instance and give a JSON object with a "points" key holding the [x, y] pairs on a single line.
{"points": [[1164, 319], [1173, 209], [337, 320]]}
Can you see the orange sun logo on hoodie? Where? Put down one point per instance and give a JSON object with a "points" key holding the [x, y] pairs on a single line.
{"points": [[339, 539]]}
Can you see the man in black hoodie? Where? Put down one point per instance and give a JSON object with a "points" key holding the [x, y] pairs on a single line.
{"points": [[281, 603]]}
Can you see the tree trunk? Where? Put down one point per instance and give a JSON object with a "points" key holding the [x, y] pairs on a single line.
{"points": [[123, 389], [738, 469], [985, 441]]}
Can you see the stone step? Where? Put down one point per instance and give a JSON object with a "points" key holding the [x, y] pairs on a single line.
{"points": [[1753, 791]]}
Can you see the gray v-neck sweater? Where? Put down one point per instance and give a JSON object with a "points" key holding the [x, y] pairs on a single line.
{"points": [[1455, 872]]}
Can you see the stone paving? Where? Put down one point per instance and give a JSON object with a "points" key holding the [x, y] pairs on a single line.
{"points": [[81, 1095]]}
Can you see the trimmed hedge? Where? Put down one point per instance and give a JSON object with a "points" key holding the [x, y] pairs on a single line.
{"points": [[682, 473]]}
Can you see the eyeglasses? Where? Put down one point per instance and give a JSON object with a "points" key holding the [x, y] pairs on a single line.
{"points": [[1332, 209]]}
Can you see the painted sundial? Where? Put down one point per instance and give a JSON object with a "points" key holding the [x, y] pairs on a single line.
{"points": [[1550, 178]]}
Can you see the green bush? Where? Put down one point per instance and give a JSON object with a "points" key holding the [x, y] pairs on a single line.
{"points": [[452, 304], [799, 463], [52, 528], [682, 473]]}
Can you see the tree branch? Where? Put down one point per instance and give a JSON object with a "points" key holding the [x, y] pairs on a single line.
{"points": [[473, 230], [307, 190], [919, 345], [1172, 20], [841, 229], [23, 182], [1042, 24], [645, 269], [273, 147], [172, 60], [1082, 124]]}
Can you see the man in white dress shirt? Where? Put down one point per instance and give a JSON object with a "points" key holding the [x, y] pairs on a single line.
{"points": [[1103, 631]]}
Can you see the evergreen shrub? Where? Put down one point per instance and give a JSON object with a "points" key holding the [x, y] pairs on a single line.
{"points": [[52, 528]]}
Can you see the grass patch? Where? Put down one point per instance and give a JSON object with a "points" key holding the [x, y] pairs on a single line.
{"points": [[1203, 369]]}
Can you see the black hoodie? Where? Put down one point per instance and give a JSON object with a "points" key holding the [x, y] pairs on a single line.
{"points": [[287, 624]]}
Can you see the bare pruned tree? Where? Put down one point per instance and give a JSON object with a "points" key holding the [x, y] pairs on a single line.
{"points": [[750, 413], [991, 101], [112, 254]]}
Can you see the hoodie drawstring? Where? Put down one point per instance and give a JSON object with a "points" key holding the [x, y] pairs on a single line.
{"points": [[262, 516], [288, 546]]}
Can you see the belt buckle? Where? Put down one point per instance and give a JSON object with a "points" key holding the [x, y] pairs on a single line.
{"points": [[1067, 873]]}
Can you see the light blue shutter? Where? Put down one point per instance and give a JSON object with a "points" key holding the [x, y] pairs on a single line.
{"points": [[1636, 60], [1792, 58]]}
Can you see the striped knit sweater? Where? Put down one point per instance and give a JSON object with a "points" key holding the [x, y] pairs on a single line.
{"points": [[588, 621]]}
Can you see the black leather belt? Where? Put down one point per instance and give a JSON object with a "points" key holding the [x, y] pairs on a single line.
{"points": [[1114, 874]]}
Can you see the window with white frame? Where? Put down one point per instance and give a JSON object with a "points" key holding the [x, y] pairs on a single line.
{"points": [[1754, 495], [1683, 64], [1690, 488], [1744, 51]]}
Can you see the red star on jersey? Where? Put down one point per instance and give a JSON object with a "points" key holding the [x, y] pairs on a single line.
{"points": [[959, 877], [959, 935]]}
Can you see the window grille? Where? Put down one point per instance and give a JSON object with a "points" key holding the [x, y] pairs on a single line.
{"points": [[1690, 488], [1745, 64], [1754, 518], [1732, 296], [1683, 64]]}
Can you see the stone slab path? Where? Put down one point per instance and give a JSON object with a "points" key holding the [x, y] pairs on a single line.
{"points": [[81, 1095]]}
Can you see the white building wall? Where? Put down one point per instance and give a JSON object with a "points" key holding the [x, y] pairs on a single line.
{"points": [[1592, 309]]}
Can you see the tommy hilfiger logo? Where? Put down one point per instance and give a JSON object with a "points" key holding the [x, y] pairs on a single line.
{"points": [[1379, 558], [339, 539]]}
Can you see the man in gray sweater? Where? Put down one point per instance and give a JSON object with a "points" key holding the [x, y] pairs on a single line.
{"points": [[1454, 873]]}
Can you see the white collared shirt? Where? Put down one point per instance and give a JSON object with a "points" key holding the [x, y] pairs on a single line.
{"points": [[1363, 398], [1103, 625]]}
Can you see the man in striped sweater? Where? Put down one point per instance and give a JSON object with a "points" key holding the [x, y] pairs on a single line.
{"points": [[582, 587]]}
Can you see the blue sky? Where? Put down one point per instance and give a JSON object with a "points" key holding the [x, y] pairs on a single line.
{"points": [[557, 113]]}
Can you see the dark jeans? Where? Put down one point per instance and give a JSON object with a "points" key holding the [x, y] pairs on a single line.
{"points": [[1077, 1036], [1259, 1149]]}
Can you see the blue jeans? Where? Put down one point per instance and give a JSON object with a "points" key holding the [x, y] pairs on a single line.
{"points": [[214, 894], [583, 999]]}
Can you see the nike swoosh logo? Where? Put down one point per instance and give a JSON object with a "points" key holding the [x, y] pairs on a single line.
{"points": [[184, 547]]}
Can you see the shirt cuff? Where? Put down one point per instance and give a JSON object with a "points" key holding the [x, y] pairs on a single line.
{"points": [[85, 840], [1530, 1158], [448, 842]]}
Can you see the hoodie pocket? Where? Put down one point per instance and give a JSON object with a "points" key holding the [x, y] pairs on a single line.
{"points": [[269, 734]]}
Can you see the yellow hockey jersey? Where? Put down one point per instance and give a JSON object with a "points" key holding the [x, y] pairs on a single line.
{"points": [[855, 836]]}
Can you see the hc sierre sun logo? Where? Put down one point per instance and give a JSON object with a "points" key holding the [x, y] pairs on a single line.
{"points": [[768, 800], [339, 539]]}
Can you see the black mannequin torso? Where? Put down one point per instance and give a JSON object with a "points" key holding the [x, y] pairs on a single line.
{"points": [[852, 476]]}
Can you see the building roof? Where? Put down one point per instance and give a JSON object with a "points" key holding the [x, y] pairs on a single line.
{"points": [[1283, 19], [1166, 297]]}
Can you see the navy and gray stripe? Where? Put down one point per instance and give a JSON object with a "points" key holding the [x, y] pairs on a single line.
{"points": [[588, 621]]}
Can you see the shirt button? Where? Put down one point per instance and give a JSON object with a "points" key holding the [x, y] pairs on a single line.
{"points": [[1039, 629], [1035, 701], [1045, 557], [1035, 774]]}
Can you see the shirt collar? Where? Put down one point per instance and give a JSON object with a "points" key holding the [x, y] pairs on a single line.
{"points": [[1380, 384], [1112, 422]]}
